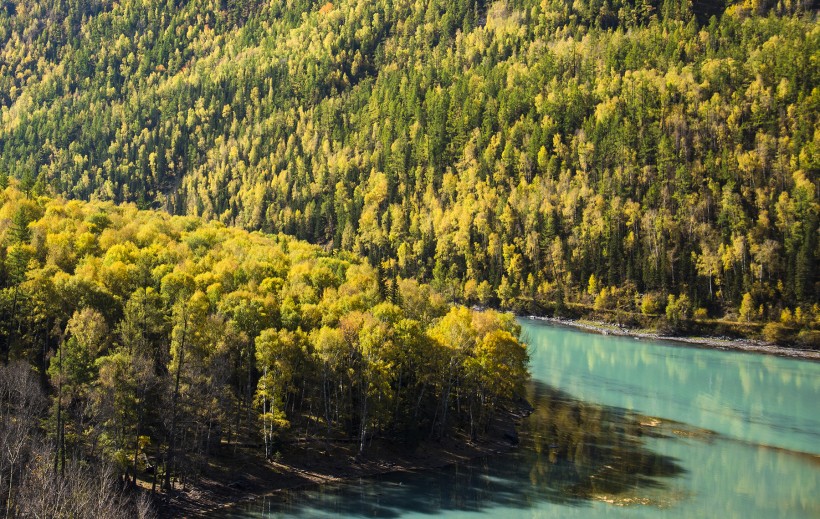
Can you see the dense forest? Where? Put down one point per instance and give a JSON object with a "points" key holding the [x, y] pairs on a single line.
{"points": [[237, 223], [649, 156], [138, 344]]}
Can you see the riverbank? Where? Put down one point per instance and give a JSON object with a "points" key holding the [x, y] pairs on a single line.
{"points": [[723, 343], [240, 474]]}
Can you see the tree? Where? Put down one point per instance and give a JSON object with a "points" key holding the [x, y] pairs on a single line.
{"points": [[126, 382], [678, 309], [170, 330], [180, 336], [22, 402], [498, 369], [71, 372], [651, 304], [331, 349], [456, 336], [747, 307], [281, 356]]}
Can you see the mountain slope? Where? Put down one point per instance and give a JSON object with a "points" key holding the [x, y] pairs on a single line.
{"points": [[511, 151]]}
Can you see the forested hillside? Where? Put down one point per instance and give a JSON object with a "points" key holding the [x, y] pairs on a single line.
{"points": [[612, 154], [161, 341]]}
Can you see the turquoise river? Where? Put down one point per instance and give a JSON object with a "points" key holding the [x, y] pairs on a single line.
{"points": [[621, 428]]}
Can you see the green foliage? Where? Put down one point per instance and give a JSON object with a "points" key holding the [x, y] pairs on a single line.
{"points": [[775, 332], [512, 144], [171, 334], [606, 299], [678, 308], [651, 304]]}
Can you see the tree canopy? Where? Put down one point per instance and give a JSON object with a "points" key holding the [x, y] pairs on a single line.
{"points": [[164, 339], [506, 151]]}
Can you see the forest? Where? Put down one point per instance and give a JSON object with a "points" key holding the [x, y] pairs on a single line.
{"points": [[136, 345], [233, 223], [652, 158]]}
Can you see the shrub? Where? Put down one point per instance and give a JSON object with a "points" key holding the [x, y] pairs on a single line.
{"points": [[651, 304], [775, 333], [678, 309], [606, 299]]}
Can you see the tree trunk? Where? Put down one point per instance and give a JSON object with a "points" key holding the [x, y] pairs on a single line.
{"points": [[326, 399], [172, 440], [137, 439], [60, 454], [265, 411], [364, 424]]}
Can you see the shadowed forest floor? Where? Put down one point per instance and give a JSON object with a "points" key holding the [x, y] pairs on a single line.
{"points": [[242, 474]]}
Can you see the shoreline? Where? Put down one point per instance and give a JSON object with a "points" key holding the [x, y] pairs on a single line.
{"points": [[240, 475], [721, 343], [243, 476]]}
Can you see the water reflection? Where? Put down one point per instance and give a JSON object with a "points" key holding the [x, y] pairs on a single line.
{"points": [[577, 459], [581, 450], [572, 453], [750, 397]]}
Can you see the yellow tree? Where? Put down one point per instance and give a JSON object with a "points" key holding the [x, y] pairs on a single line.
{"points": [[280, 355], [498, 369], [331, 350], [455, 334]]}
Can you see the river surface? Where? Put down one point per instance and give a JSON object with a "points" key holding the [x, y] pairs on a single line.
{"points": [[621, 428]]}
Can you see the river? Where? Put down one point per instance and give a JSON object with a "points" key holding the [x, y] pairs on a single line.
{"points": [[622, 428]]}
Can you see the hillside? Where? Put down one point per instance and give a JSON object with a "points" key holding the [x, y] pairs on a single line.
{"points": [[515, 153], [655, 150]]}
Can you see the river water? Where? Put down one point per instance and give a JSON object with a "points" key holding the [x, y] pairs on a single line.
{"points": [[621, 428]]}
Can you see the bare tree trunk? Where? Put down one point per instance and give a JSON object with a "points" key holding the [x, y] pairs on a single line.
{"points": [[249, 386], [326, 398], [418, 402], [11, 486], [9, 339], [137, 438], [60, 454], [364, 422], [309, 419], [445, 399], [265, 434], [398, 396], [156, 471]]}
